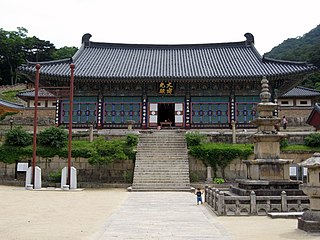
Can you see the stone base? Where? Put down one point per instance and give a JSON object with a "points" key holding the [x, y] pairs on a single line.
{"points": [[268, 169], [308, 225], [267, 188]]}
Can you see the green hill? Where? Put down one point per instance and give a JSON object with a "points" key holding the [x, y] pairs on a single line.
{"points": [[304, 48]]}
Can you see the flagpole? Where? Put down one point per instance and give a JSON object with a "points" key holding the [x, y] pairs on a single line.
{"points": [[35, 120], [70, 122]]}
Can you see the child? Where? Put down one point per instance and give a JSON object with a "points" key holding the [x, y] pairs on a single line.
{"points": [[199, 196]]}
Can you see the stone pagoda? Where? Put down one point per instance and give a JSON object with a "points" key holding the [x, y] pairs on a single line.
{"points": [[267, 174]]}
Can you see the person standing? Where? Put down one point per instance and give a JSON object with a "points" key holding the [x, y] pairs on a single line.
{"points": [[284, 122], [199, 196]]}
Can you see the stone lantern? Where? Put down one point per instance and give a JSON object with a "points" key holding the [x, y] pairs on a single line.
{"points": [[310, 220]]}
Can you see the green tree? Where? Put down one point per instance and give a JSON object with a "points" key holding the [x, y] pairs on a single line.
{"points": [[64, 52], [11, 53], [104, 152], [18, 137], [37, 50], [306, 49], [54, 137]]}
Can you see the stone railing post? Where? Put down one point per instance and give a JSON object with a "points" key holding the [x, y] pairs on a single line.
{"points": [[214, 198], [210, 197], [234, 138], [221, 203], [253, 203], [284, 203], [206, 193]]}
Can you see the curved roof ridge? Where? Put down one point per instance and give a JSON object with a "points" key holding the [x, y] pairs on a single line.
{"points": [[272, 60], [165, 46], [65, 60], [78, 53], [306, 88]]}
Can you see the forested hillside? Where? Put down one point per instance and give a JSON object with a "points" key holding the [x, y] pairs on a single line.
{"points": [[305, 48], [16, 47]]}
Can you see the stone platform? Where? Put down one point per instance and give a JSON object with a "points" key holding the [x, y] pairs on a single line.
{"points": [[267, 187]]}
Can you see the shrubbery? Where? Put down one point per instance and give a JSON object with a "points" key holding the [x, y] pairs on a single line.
{"points": [[18, 137], [194, 139], [132, 140], [220, 155], [104, 152], [54, 137], [313, 140], [115, 149]]}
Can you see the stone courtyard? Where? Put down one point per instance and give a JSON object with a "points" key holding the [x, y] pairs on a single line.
{"points": [[117, 214]]}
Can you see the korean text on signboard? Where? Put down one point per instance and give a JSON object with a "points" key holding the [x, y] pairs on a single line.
{"points": [[166, 88]]}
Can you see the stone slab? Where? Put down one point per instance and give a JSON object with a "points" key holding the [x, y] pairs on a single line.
{"points": [[163, 215], [285, 214]]}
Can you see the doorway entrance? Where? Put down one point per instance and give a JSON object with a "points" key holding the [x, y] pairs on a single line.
{"points": [[166, 113]]}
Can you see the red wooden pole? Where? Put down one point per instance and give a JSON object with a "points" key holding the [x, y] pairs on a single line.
{"points": [[35, 120], [70, 122]]}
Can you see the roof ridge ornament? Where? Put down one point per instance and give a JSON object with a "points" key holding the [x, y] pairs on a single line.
{"points": [[250, 39], [86, 39]]}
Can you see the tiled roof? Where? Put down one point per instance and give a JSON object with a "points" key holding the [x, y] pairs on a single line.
{"points": [[234, 60], [10, 104], [301, 92], [31, 93]]}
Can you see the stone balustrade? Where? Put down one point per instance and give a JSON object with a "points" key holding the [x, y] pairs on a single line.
{"points": [[227, 205]]}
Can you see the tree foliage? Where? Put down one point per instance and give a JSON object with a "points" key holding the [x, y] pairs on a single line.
{"points": [[312, 140], [220, 155], [194, 139], [16, 47], [18, 137], [54, 137], [104, 152], [306, 49]]}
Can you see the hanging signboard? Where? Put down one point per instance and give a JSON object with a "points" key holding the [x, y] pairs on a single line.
{"points": [[166, 88]]}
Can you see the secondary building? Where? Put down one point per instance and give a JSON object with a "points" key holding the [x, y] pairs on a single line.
{"points": [[187, 86]]}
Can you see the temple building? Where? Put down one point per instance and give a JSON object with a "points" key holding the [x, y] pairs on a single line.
{"points": [[188, 86]]}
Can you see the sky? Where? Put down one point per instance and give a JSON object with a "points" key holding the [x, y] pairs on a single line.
{"points": [[63, 22]]}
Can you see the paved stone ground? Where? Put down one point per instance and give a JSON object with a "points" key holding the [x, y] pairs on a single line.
{"points": [[163, 215]]}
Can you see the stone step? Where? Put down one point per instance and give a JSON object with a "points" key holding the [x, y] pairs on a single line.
{"points": [[162, 175], [162, 190], [162, 140], [162, 146], [162, 180], [160, 158], [161, 186], [162, 170], [161, 161], [159, 166], [164, 152]]}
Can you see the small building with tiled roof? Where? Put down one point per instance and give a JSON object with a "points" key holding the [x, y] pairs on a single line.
{"points": [[190, 85], [45, 98], [297, 104], [47, 104]]}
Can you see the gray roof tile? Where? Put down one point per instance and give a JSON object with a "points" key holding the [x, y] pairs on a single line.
{"points": [[223, 60], [301, 92], [31, 93], [10, 104]]}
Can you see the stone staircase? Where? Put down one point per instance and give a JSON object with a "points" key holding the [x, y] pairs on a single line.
{"points": [[161, 162]]}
